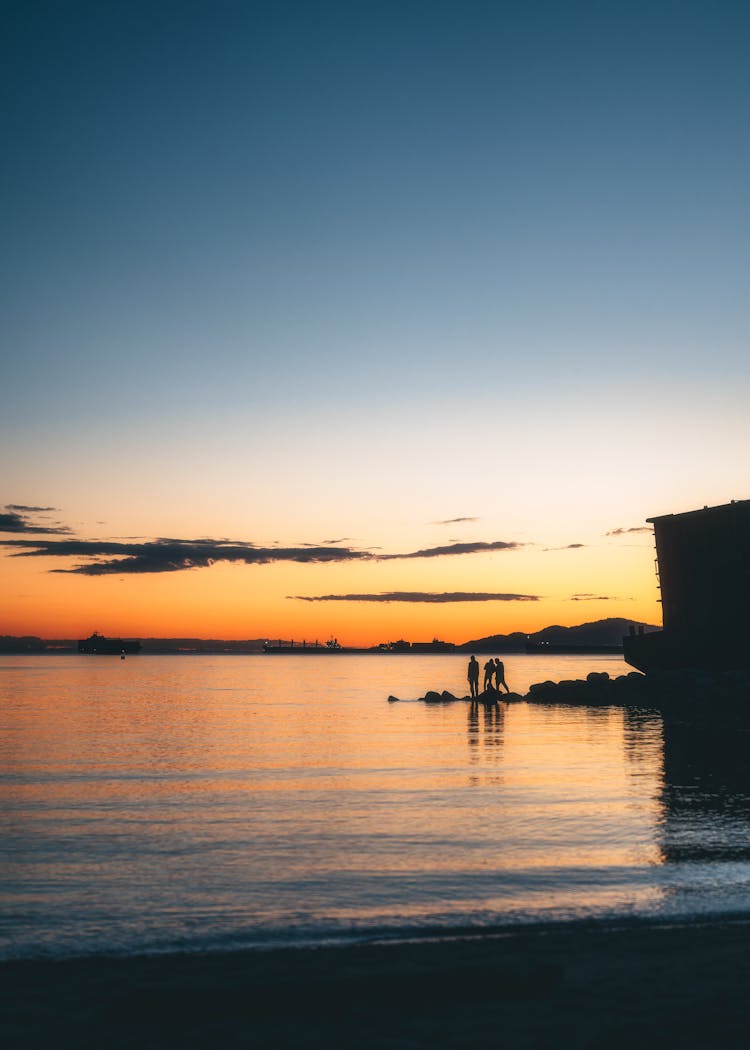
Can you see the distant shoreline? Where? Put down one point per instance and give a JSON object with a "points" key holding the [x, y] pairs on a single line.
{"points": [[321, 651], [598, 636]]}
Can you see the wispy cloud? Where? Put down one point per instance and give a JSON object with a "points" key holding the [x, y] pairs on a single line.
{"points": [[31, 510], [328, 543], [429, 597], [627, 532], [452, 521], [598, 598], [567, 547], [16, 519], [457, 548], [111, 557]]}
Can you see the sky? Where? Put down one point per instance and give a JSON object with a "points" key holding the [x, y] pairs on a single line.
{"points": [[368, 319]]}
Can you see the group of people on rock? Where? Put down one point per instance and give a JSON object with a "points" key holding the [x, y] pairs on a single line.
{"points": [[493, 669]]}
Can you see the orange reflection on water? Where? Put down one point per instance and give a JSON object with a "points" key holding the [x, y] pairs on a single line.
{"points": [[259, 786]]}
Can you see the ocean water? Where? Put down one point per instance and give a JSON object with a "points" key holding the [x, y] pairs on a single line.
{"points": [[216, 802]]}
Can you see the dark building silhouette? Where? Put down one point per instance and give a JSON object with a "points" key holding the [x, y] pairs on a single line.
{"points": [[704, 578]]}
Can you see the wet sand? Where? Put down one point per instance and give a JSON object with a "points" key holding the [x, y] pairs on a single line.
{"points": [[576, 985]]}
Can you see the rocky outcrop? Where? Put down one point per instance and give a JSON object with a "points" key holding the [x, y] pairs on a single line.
{"points": [[490, 696], [708, 697], [676, 691], [595, 690]]}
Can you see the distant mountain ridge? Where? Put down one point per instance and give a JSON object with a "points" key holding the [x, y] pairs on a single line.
{"points": [[599, 632], [27, 644]]}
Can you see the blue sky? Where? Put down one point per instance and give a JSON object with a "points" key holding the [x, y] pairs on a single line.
{"points": [[467, 232]]}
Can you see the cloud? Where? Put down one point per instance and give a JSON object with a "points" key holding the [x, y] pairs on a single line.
{"points": [[456, 548], [418, 596], [597, 598], [625, 532], [328, 543], [112, 557], [30, 510], [15, 519], [452, 521], [170, 555], [568, 547]]}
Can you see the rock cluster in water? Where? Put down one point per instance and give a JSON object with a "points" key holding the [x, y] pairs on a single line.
{"points": [[690, 694], [595, 690], [489, 696]]}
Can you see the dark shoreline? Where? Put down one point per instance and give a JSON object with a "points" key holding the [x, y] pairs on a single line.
{"points": [[562, 984]]}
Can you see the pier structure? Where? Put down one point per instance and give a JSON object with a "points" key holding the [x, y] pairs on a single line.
{"points": [[703, 559]]}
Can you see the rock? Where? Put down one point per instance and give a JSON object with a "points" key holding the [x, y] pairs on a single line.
{"points": [[595, 691], [431, 697], [393, 700], [539, 689], [630, 685], [447, 698]]}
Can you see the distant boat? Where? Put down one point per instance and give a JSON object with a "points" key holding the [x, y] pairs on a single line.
{"points": [[102, 646], [331, 646]]}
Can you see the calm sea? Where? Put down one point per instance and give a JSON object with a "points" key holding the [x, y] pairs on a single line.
{"points": [[196, 803]]}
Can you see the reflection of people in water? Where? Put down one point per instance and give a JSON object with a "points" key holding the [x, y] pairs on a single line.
{"points": [[489, 670], [500, 676], [473, 675]]}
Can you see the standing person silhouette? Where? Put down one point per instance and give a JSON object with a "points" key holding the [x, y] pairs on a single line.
{"points": [[500, 676], [473, 675], [489, 670]]}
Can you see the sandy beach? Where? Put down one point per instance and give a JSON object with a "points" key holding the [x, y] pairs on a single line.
{"points": [[579, 985]]}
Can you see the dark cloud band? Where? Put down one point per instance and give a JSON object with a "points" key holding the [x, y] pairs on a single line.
{"points": [[15, 518], [30, 510], [109, 557], [445, 597]]}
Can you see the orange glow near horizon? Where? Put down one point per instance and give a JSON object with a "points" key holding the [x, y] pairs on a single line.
{"points": [[248, 601]]}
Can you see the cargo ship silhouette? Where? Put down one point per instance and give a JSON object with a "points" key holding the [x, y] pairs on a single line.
{"points": [[703, 559], [102, 646], [331, 646]]}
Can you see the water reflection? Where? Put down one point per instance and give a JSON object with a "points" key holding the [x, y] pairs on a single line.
{"points": [[197, 801], [706, 793], [643, 736], [485, 729]]}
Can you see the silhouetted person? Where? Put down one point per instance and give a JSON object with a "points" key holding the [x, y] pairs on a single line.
{"points": [[489, 670], [473, 675], [500, 676]]}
